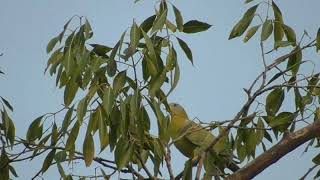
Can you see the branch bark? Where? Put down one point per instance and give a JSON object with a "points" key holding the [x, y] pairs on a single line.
{"points": [[288, 143]]}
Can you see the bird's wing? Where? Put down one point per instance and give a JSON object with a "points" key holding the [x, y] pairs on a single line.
{"points": [[197, 135]]}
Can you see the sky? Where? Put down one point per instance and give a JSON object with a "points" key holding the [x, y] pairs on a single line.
{"points": [[209, 90]]}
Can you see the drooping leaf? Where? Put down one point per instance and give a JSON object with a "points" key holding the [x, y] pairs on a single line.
{"points": [[282, 121], [88, 149], [298, 100], [187, 172], [294, 61], [171, 27], [149, 45], [156, 84], [184, 46], [67, 119], [70, 91], [82, 109], [175, 79], [119, 81], [267, 28], [159, 21], [195, 26], [179, 19], [318, 40], [290, 34], [251, 32], [100, 50], [147, 24], [134, 35], [108, 100], [316, 159], [13, 171], [103, 132], [73, 136], [278, 30], [244, 23], [171, 59], [7, 103], [35, 129], [123, 153], [52, 43], [274, 101], [48, 160]]}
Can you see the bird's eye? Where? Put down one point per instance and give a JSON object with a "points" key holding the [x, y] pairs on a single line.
{"points": [[175, 105]]}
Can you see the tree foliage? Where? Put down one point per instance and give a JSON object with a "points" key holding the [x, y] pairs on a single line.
{"points": [[113, 93]]}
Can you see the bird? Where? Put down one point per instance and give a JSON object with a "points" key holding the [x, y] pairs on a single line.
{"points": [[191, 139]]}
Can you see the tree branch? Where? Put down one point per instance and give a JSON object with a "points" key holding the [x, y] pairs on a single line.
{"points": [[288, 143]]}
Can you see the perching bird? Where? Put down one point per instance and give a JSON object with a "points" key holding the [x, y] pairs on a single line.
{"points": [[189, 137]]}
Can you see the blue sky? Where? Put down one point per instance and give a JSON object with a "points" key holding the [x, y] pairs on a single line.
{"points": [[209, 90]]}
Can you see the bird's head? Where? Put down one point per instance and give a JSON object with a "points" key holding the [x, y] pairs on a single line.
{"points": [[177, 110]]}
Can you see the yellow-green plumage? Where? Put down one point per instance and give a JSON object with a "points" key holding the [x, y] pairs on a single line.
{"points": [[189, 137], [186, 134]]}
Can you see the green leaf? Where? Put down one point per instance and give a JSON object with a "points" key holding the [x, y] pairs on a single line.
{"points": [[179, 19], [159, 21], [274, 101], [103, 132], [123, 153], [7, 103], [267, 28], [108, 100], [134, 35], [146, 25], [316, 159], [67, 120], [48, 160], [283, 44], [100, 50], [172, 28], [52, 43], [316, 90], [295, 61], [73, 136], [119, 81], [318, 40], [175, 79], [195, 26], [244, 23], [171, 59], [4, 170], [149, 45], [61, 171], [156, 84], [184, 46], [13, 171], [251, 32], [278, 30], [9, 129], [112, 67], [260, 131], [35, 129], [282, 121], [88, 149], [313, 81], [70, 92], [60, 156], [82, 110], [248, 1], [290, 34], [187, 172], [298, 101]]}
